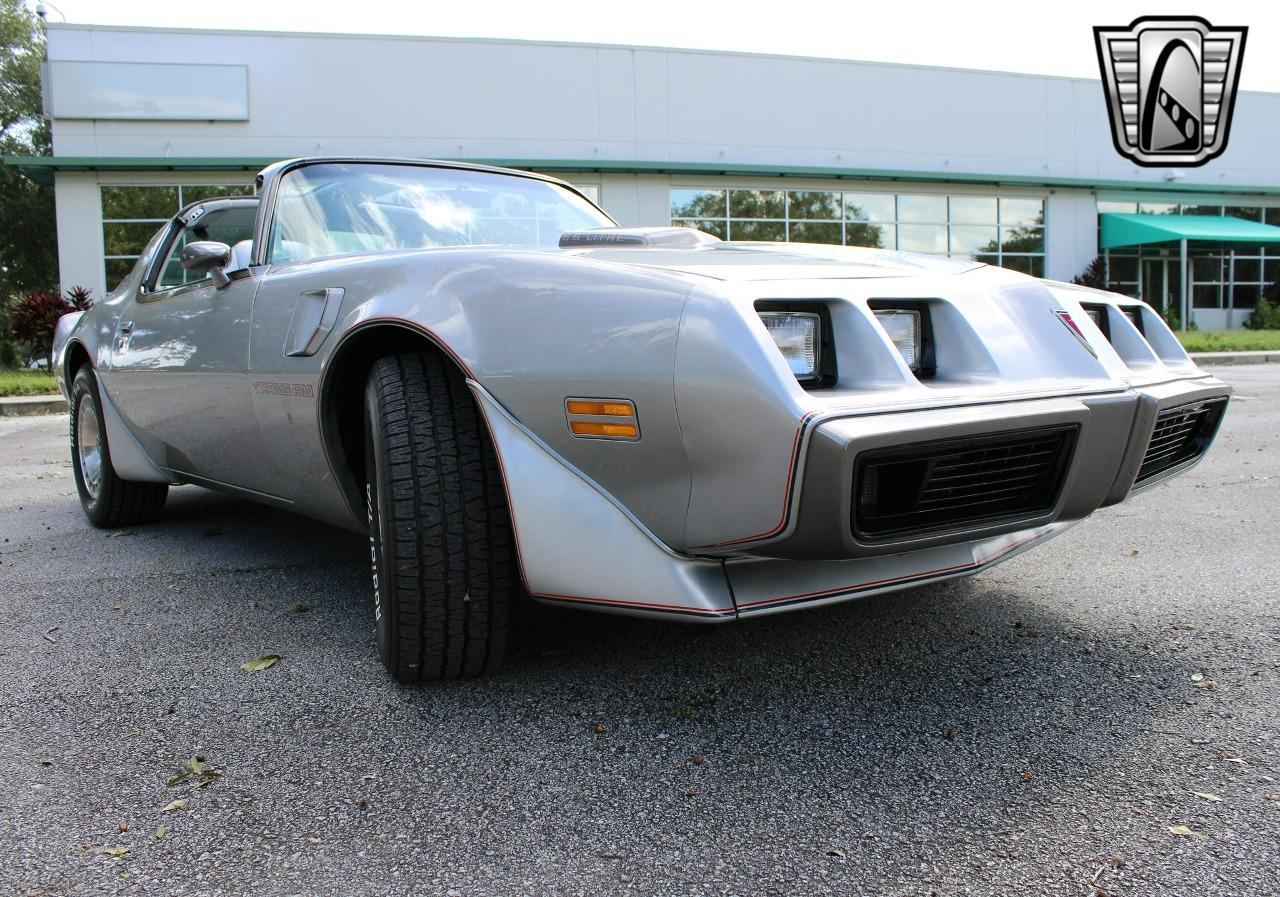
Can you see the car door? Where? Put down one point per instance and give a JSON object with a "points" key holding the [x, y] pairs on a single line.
{"points": [[179, 365]]}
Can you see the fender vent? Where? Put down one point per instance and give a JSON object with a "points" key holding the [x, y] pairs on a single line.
{"points": [[916, 489], [1181, 434]]}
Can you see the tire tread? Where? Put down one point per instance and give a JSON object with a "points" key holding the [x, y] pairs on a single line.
{"points": [[447, 537]]}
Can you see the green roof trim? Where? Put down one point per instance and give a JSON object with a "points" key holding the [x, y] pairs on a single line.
{"points": [[1120, 229], [41, 168]]}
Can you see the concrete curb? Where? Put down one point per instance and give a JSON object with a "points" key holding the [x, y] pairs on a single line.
{"points": [[1212, 358], [18, 406]]}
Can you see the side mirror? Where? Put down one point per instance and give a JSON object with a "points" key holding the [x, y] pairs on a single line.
{"points": [[207, 256]]}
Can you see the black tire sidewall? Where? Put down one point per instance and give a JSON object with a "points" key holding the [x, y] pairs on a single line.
{"points": [[383, 567], [84, 386]]}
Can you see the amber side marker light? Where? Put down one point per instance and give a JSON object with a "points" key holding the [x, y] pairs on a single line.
{"points": [[590, 428], [602, 418], [604, 409]]}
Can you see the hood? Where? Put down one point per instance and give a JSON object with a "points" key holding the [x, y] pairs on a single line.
{"points": [[743, 261]]}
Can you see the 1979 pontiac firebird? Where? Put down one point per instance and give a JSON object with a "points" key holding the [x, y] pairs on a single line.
{"points": [[514, 396]]}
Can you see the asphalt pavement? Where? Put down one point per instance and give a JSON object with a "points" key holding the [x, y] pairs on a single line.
{"points": [[1098, 716]]}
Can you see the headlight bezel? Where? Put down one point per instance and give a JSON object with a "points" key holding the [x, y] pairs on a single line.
{"points": [[1099, 313], [826, 373], [926, 365]]}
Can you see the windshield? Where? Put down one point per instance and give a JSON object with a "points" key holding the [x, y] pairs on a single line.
{"points": [[334, 208]]}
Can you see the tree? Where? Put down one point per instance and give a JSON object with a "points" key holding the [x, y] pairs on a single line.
{"points": [[1094, 275], [28, 238]]}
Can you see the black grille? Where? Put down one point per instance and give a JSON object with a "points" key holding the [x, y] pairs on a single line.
{"points": [[1181, 434], [956, 483]]}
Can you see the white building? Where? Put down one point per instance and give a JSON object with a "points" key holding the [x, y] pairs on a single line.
{"points": [[1012, 169]]}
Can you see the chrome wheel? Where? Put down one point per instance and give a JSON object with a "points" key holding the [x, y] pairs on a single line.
{"points": [[89, 446]]}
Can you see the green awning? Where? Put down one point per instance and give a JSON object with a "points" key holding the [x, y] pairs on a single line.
{"points": [[1133, 230]]}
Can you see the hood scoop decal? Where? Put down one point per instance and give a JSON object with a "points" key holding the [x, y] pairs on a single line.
{"points": [[632, 237]]}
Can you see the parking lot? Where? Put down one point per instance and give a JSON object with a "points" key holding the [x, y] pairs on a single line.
{"points": [[1098, 716]]}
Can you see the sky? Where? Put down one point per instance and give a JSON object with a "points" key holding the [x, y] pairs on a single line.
{"points": [[1053, 38]]}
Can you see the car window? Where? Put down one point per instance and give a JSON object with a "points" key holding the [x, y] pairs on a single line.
{"points": [[230, 226], [337, 208]]}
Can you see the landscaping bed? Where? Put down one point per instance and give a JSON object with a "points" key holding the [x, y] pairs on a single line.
{"points": [[1230, 340], [26, 383]]}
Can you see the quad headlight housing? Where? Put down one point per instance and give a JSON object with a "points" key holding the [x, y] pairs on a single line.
{"points": [[802, 332]]}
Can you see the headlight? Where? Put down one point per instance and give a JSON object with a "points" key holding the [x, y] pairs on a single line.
{"points": [[797, 336], [903, 327]]}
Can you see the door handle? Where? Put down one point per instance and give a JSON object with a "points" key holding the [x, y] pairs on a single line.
{"points": [[314, 315], [124, 330]]}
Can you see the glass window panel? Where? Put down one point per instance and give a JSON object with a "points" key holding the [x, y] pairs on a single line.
{"points": [[1022, 239], [1124, 268], [1202, 210], [815, 232], [868, 207], [987, 259], [1158, 208], [1025, 212], [921, 208], [697, 204], [196, 192], [1207, 268], [1249, 213], [1243, 296], [1273, 216], [1271, 270], [1110, 205], [759, 230], [172, 275], [973, 210], [757, 204], [118, 270], [1248, 270], [813, 204], [922, 237], [229, 226], [967, 239], [127, 239], [877, 236], [715, 228], [1206, 295], [1027, 264], [139, 202]]}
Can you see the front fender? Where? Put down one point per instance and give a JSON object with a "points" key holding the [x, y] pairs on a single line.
{"points": [[61, 340]]}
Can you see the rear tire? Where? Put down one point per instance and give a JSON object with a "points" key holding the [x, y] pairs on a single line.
{"points": [[108, 501], [440, 538]]}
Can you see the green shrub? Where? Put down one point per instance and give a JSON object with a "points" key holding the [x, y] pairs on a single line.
{"points": [[1266, 315], [8, 354]]}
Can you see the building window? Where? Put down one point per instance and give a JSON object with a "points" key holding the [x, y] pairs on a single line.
{"points": [[131, 214], [1006, 231], [1222, 275]]}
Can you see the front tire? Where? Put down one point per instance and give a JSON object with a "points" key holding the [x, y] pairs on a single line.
{"points": [[440, 535], [108, 501]]}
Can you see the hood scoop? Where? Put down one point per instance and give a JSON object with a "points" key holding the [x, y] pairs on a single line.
{"points": [[636, 237]]}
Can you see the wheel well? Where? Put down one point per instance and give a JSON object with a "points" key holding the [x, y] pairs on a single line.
{"points": [[77, 357], [342, 411]]}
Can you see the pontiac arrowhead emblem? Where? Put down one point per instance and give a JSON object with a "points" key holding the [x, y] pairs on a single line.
{"points": [[1171, 84], [1070, 324]]}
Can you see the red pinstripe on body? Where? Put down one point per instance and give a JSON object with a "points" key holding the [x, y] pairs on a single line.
{"points": [[788, 490], [875, 583]]}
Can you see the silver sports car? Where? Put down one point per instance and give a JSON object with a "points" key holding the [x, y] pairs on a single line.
{"points": [[515, 397]]}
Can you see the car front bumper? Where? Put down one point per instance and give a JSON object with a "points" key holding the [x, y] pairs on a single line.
{"points": [[580, 546]]}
